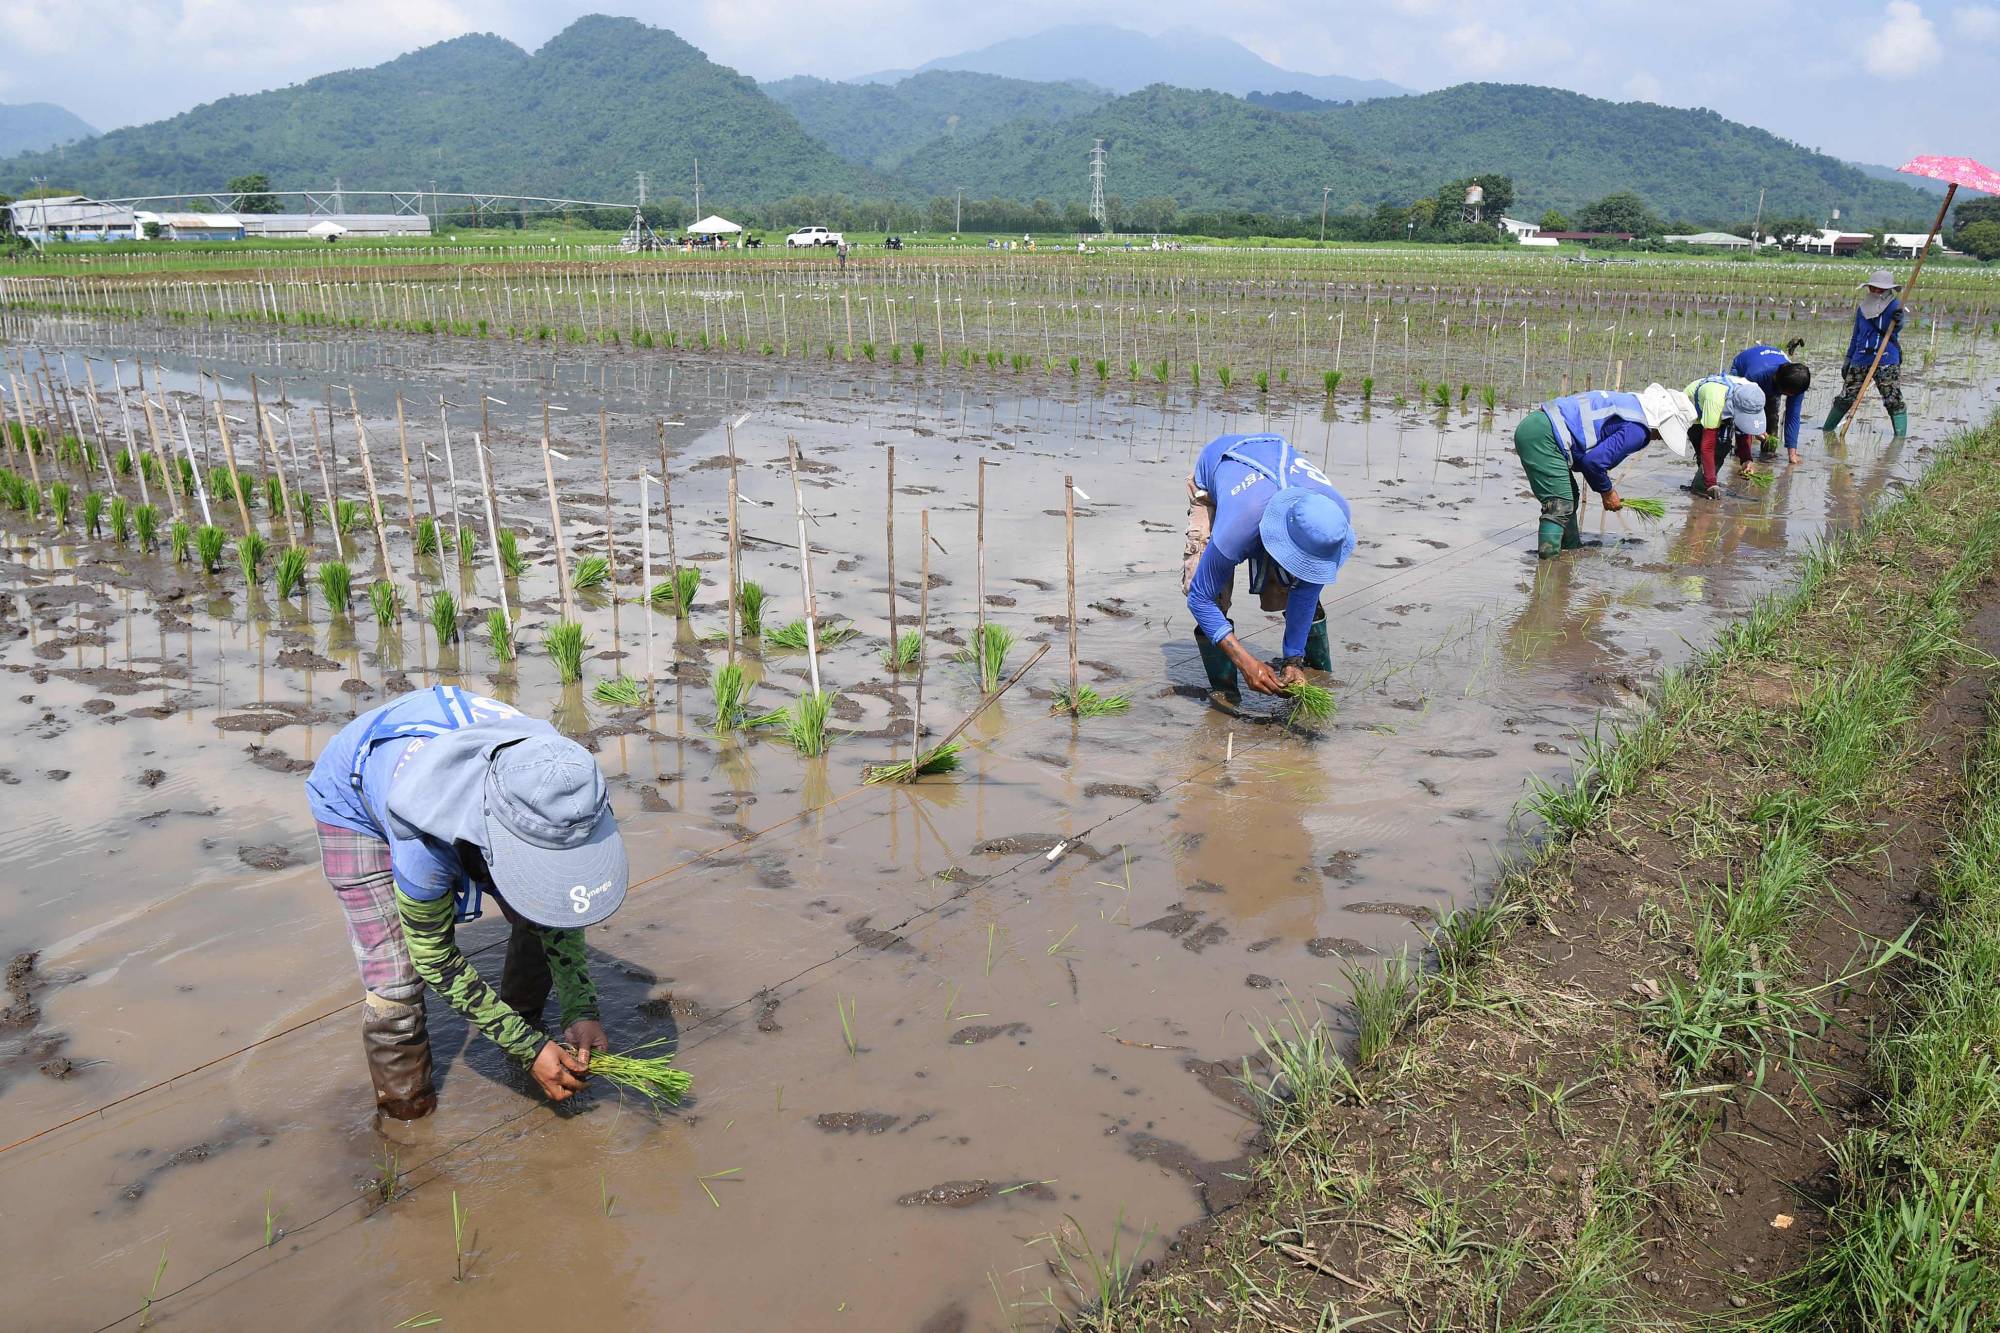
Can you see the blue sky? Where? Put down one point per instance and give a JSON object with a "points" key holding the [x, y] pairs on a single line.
{"points": [[1867, 81]]}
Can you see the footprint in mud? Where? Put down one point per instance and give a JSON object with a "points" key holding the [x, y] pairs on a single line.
{"points": [[1478, 752], [1184, 924], [1341, 865], [886, 940]]}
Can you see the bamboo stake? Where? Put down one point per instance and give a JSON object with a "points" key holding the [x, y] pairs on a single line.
{"points": [[374, 497], [229, 458], [200, 490], [493, 532], [805, 568], [735, 558], [889, 510], [985, 703], [450, 485], [97, 424], [409, 496], [667, 514], [325, 485], [264, 439], [646, 576], [979, 583], [1069, 560], [34, 468], [131, 443], [610, 549], [923, 637], [555, 519]]}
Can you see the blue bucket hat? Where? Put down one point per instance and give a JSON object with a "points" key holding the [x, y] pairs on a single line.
{"points": [[552, 842], [1307, 533]]}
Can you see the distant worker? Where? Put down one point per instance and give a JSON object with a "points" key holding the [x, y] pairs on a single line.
{"points": [[1729, 415], [1591, 433], [1252, 499], [1878, 317], [426, 805], [1782, 380]]}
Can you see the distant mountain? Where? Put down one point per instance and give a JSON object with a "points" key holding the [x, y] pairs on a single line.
{"points": [[880, 124], [29, 127], [1289, 101], [1207, 151], [1924, 183], [1125, 61], [604, 99]]}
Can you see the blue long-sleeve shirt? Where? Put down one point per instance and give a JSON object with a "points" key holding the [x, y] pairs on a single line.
{"points": [[1869, 332], [1760, 365], [1240, 494]]}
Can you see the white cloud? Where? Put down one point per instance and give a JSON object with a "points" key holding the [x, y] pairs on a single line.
{"points": [[1979, 23], [1479, 49], [1905, 44], [1644, 87]]}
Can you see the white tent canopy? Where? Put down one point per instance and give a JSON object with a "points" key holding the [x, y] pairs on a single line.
{"points": [[714, 225], [325, 231]]}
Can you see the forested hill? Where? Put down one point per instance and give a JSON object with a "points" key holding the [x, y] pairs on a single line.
{"points": [[27, 127], [604, 99], [880, 124], [1208, 151]]}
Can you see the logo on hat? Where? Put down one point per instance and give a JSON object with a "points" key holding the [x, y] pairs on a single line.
{"points": [[579, 897]]}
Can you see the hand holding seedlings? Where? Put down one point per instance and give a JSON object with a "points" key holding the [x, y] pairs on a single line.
{"points": [[559, 1072], [1589, 434]]}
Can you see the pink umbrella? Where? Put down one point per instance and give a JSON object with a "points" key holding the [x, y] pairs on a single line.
{"points": [[1954, 171]]}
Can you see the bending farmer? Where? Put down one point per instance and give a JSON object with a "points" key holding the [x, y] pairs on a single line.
{"points": [[1879, 317], [1591, 433], [1781, 378], [1252, 498], [425, 806], [1730, 413]]}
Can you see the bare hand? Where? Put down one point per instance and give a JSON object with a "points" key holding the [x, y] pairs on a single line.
{"points": [[1293, 676], [587, 1035], [1259, 677], [559, 1073], [1612, 502]]}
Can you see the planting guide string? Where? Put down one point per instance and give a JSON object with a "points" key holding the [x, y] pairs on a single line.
{"points": [[710, 1022]]}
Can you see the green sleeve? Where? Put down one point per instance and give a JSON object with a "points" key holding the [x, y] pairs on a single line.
{"points": [[1710, 399], [575, 993], [430, 930]]}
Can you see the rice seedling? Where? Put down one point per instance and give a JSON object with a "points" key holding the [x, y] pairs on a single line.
{"points": [[444, 616], [729, 690], [902, 654], [1647, 507], [792, 635], [458, 1219], [336, 585], [1263, 381], [943, 759], [677, 590], [1761, 480], [1087, 702], [468, 545], [221, 485], [93, 513], [153, 1292], [653, 1077], [805, 723], [591, 571], [274, 495], [1367, 388], [1103, 369], [382, 595], [426, 537], [185, 473], [121, 518], [564, 643], [272, 1231], [123, 463], [1311, 703], [917, 351], [289, 575], [1332, 381], [250, 548], [1489, 396], [715, 1175], [510, 553], [1464, 392], [427, 1319], [179, 538], [501, 634], [1381, 1003], [605, 1198], [847, 1005], [343, 515], [1442, 397], [59, 494], [620, 690], [146, 520], [1224, 376], [750, 605], [208, 543], [991, 643]]}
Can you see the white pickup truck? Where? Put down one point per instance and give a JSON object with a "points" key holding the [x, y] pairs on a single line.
{"points": [[813, 236]]}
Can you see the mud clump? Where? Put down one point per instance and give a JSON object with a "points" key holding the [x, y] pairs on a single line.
{"points": [[266, 856], [21, 1011], [305, 659], [1186, 926], [1024, 844], [984, 1032], [886, 940], [277, 761], [856, 1122], [1332, 946], [1127, 791], [152, 777], [949, 1194], [767, 1013], [59, 1068]]}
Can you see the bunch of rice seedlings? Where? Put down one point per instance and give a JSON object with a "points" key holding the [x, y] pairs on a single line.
{"points": [[220, 486], [444, 616], [1646, 507], [730, 692], [620, 690], [208, 543], [274, 495], [382, 595], [336, 585], [185, 472], [1761, 480], [502, 635], [510, 553], [1332, 381], [805, 723], [1310, 703], [590, 572], [121, 518], [250, 549], [943, 759], [93, 513], [563, 642], [180, 537], [1087, 702], [677, 590], [123, 463], [59, 494], [468, 545], [750, 604], [1442, 397], [426, 536], [651, 1076], [990, 646], [289, 574], [146, 519], [902, 654], [344, 515], [792, 635]]}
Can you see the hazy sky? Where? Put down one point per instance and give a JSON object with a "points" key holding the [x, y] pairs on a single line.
{"points": [[1874, 81]]}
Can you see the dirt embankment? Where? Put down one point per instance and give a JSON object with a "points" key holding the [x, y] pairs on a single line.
{"points": [[1608, 1103]]}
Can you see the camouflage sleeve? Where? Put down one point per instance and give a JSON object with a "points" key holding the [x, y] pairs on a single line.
{"points": [[576, 994], [433, 940]]}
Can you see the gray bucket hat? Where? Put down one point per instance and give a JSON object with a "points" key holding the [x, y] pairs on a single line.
{"points": [[552, 842], [1746, 407], [1882, 280]]}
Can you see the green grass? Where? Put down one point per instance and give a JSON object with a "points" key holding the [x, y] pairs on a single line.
{"points": [[499, 633], [336, 586], [592, 571], [208, 543], [1087, 702], [677, 590], [620, 690], [942, 759], [289, 574], [385, 600], [750, 605], [902, 655], [1312, 704], [564, 643], [444, 617], [510, 553]]}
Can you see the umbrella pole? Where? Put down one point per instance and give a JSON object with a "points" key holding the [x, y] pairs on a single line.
{"points": [[1855, 407]]}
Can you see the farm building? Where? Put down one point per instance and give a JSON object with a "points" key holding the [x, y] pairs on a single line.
{"points": [[72, 217], [196, 226], [1720, 239], [1585, 237], [1829, 242], [353, 226]]}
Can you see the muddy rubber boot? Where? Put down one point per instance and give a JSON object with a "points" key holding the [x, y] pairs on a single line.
{"points": [[1836, 413], [1318, 656], [397, 1041], [524, 979], [1222, 684], [1901, 421]]}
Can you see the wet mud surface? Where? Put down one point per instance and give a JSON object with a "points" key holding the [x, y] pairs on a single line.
{"points": [[1050, 958]]}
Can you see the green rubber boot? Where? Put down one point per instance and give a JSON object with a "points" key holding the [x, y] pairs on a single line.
{"points": [[1221, 671], [1836, 413], [1901, 421], [1318, 656]]}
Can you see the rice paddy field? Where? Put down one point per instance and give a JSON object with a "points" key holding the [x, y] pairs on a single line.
{"points": [[951, 1039]]}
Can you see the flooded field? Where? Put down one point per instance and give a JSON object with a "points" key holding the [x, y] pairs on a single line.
{"points": [[946, 1038]]}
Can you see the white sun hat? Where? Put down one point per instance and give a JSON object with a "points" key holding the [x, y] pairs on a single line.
{"points": [[1670, 412]]}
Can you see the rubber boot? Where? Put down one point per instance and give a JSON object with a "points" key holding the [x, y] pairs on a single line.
{"points": [[1901, 421], [1222, 683], [525, 980], [1553, 534], [1836, 413], [398, 1044], [1319, 657]]}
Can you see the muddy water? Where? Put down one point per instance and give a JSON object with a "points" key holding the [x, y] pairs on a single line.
{"points": [[1033, 1039]]}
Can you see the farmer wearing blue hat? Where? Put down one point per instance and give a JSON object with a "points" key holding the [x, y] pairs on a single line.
{"points": [[428, 805], [1251, 498]]}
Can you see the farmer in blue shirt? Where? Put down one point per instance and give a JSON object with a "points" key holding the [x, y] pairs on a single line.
{"points": [[1591, 433], [1879, 316], [1252, 499], [425, 806], [1779, 377]]}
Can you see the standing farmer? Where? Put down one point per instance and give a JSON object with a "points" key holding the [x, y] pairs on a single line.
{"points": [[1252, 498], [1781, 379], [1729, 412], [427, 804], [1878, 317], [1591, 433]]}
